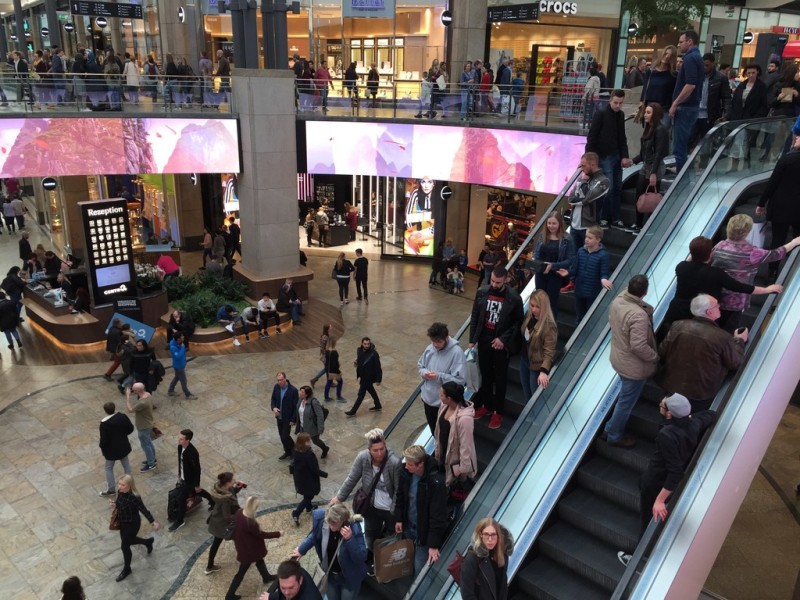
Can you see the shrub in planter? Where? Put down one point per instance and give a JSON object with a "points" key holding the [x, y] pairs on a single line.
{"points": [[180, 287]]}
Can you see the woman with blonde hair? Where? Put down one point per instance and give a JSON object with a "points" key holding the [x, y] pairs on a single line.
{"points": [[740, 259], [128, 505], [484, 572], [341, 270], [539, 350], [250, 547], [555, 251], [658, 84]]}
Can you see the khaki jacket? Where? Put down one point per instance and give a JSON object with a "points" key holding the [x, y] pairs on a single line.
{"points": [[634, 354], [542, 348]]}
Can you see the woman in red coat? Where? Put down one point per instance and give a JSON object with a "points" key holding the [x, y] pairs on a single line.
{"points": [[250, 547]]}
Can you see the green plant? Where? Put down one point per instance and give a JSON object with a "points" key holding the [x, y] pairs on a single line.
{"points": [[180, 287], [202, 295]]}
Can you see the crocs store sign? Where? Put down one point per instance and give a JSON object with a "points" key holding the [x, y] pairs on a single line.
{"points": [[558, 7]]}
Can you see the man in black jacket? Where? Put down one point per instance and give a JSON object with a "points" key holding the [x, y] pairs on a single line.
{"points": [[114, 431], [422, 486], [715, 99], [188, 476], [607, 138], [495, 327], [676, 443], [284, 406], [369, 374]]}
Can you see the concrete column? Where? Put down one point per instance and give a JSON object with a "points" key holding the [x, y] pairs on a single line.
{"points": [[3, 38], [54, 35], [190, 207], [468, 41], [18, 30], [267, 187]]}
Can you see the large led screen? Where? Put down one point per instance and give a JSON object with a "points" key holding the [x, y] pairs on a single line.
{"points": [[53, 146], [523, 160]]}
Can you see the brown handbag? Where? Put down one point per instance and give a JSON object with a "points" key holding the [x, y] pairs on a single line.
{"points": [[113, 524]]}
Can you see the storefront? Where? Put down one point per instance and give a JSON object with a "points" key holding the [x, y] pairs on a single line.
{"points": [[559, 44], [400, 41]]}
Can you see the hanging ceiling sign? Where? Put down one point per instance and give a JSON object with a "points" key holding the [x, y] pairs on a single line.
{"points": [[513, 12], [106, 9]]}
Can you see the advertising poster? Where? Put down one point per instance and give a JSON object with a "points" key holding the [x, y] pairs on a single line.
{"points": [[423, 205]]}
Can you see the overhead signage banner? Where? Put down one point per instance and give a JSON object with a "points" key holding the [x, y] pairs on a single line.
{"points": [[106, 9], [59, 147], [109, 254], [383, 9], [513, 12]]}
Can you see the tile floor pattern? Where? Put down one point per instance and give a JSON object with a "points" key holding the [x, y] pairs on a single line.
{"points": [[54, 524]]}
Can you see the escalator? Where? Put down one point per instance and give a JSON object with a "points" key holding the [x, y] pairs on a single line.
{"points": [[554, 439]]}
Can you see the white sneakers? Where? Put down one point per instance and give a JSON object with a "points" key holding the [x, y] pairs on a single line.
{"points": [[236, 342]]}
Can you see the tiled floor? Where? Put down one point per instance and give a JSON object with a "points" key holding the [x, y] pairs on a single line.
{"points": [[54, 524]]}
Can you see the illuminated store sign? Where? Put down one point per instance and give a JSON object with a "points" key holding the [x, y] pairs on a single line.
{"points": [[558, 7], [108, 248]]}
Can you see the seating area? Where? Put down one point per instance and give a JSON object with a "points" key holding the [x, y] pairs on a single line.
{"points": [[211, 335]]}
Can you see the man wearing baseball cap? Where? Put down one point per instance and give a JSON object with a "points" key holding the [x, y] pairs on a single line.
{"points": [[676, 443]]}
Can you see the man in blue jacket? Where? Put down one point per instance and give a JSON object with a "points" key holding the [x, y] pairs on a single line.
{"points": [[284, 407], [178, 351]]}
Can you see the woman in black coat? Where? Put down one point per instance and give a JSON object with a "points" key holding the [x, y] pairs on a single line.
{"points": [[484, 572], [306, 472], [224, 508], [13, 285], [342, 268], [749, 102], [129, 504], [141, 359], [654, 148], [779, 201]]}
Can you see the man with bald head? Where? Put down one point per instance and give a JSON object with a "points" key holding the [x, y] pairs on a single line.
{"points": [[142, 407]]}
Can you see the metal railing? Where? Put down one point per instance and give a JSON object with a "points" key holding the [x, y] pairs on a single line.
{"points": [[563, 107], [90, 92]]}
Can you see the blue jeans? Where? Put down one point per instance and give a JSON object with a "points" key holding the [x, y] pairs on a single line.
{"points": [[146, 442], [628, 395], [295, 310], [682, 126], [337, 588], [180, 376], [612, 168], [525, 376], [464, 103], [126, 467]]}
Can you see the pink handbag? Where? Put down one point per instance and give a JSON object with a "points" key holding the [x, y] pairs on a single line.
{"points": [[648, 201]]}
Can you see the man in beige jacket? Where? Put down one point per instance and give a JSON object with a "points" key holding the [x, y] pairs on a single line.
{"points": [[634, 355]]}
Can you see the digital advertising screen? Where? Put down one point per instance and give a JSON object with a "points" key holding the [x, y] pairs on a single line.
{"points": [[57, 146], [423, 208], [109, 255], [522, 160]]}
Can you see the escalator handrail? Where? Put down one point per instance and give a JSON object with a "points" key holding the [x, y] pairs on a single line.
{"points": [[535, 230], [652, 533], [603, 339]]}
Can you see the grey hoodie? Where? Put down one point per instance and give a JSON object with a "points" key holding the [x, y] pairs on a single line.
{"points": [[449, 365]]}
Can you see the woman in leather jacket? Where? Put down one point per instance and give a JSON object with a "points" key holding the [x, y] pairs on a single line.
{"points": [[484, 572], [654, 148]]}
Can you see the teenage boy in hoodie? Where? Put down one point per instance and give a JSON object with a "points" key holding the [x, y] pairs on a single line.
{"points": [[442, 361], [590, 271], [178, 351]]}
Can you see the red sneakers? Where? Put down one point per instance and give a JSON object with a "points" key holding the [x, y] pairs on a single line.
{"points": [[481, 412], [568, 288], [495, 421]]}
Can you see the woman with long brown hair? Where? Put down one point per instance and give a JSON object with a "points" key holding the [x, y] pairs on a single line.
{"points": [[484, 572], [556, 252], [654, 148], [659, 82], [342, 269], [539, 350]]}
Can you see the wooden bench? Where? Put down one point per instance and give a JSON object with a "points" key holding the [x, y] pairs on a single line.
{"points": [[217, 333]]}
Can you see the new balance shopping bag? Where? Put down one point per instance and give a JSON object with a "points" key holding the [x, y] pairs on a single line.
{"points": [[394, 558]]}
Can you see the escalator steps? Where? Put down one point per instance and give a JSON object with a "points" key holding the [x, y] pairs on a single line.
{"points": [[544, 579], [616, 526], [611, 481]]}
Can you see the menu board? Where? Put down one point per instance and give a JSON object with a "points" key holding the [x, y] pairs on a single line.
{"points": [[108, 249]]}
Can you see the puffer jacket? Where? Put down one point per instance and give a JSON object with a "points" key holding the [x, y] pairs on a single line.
{"points": [[634, 354], [461, 459], [477, 573]]}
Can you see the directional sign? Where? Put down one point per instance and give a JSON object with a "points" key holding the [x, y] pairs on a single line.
{"points": [[447, 18], [748, 37], [45, 32], [513, 12], [446, 192], [101, 22], [69, 27], [49, 183], [106, 9]]}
